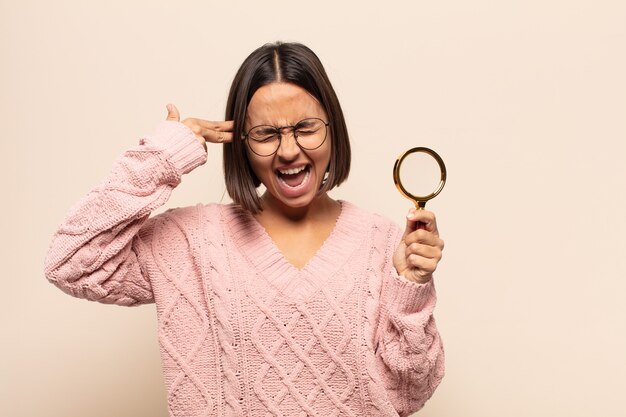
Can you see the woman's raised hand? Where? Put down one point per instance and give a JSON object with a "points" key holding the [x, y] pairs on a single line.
{"points": [[205, 130], [420, 249]]}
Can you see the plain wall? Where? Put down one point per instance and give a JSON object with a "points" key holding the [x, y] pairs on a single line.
{"points": [[524, 100]]}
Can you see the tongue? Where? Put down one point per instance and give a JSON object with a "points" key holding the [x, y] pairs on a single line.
{"points": [[294, 180]]}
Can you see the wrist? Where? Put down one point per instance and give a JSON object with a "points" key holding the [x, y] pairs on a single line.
{"points": [[412, 277]]}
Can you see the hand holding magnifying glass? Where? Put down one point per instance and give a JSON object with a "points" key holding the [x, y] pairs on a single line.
{"points": [[420, 170]]}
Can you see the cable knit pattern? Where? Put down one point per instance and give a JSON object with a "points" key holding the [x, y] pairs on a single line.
{"points": [[242, 331]]}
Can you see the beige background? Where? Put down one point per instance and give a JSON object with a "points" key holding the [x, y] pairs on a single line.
{"points": [[525, 100]]}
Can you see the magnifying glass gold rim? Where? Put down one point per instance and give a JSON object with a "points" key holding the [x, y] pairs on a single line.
{"points": [[420, 201]]}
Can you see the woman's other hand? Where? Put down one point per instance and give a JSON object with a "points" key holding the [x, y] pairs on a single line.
{"points": [[205, 130], [420, 249]]}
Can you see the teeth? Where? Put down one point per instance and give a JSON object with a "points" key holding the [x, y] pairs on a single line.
{"points": [[292, 171], [295, 187]]}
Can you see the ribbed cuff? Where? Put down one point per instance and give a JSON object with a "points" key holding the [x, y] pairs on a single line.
{"points": [[406, 297], [179, 144]]}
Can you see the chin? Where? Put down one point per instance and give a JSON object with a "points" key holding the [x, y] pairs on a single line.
{"points": [[295, 201]]}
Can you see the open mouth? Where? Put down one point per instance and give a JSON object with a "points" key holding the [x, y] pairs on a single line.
{"points": [[294, 177]]}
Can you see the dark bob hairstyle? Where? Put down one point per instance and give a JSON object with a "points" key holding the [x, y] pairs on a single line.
{"points": [[280, 62]]}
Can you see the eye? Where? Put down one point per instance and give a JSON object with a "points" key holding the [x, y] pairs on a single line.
{"points": [[308, 127], [263, 133], [304, 132]]}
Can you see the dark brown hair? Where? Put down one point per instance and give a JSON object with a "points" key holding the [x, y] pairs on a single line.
{"points": [[280, 62]]}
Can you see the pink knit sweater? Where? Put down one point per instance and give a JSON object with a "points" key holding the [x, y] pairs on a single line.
{"points": [[243, 332]]}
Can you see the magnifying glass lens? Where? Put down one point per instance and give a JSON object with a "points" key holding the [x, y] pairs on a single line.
{"points": [[420, 173]]}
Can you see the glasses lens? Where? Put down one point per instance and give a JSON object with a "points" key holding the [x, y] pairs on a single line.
{"points": [[311, 133], [263, 140]]}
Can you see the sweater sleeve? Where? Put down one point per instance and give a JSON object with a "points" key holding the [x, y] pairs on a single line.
{"points": [[409, 351], [96, 252]]}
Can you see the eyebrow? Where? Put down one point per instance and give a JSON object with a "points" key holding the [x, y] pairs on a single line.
{"points": [[294, 124]]}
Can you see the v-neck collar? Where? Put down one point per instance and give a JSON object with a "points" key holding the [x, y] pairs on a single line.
{"points": [[260, 250]]}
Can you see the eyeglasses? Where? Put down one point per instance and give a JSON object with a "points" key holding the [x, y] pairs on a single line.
{"points": [[264, 140]]}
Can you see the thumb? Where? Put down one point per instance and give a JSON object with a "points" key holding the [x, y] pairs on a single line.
{"points": [[399, 257], [172, 113], [411, 223], [418, 219]]}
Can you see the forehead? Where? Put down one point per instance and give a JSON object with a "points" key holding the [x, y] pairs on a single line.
{"points": [[282, 104]]}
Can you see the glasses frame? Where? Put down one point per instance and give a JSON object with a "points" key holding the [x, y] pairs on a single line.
{"points": [[292, 128]]}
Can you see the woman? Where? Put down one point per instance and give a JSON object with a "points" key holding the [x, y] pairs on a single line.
{"points": [[288, 303]]}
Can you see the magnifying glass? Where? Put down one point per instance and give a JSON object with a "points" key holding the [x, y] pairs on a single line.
{"points": [[422, 171]]}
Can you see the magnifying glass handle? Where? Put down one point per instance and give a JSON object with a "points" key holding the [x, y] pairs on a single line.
{"points": [[420, 205]]}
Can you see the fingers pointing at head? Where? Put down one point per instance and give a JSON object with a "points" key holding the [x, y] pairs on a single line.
{"points": [[204, 130], [215, 132]]}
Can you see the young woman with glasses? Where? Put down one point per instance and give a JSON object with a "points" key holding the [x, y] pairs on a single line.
{"points": [[285, 302]]}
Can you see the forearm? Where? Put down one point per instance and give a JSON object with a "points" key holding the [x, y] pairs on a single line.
{"points": [[92, 254], [409, 348]]}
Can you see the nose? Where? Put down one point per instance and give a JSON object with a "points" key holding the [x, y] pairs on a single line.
{"points": [[288, 148]]}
